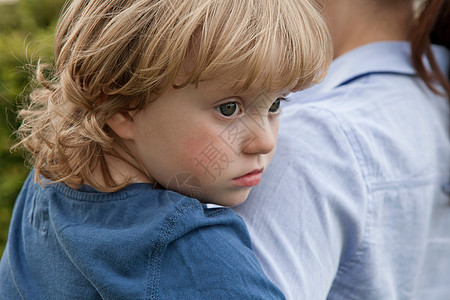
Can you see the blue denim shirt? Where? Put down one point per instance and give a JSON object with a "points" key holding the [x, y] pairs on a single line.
{"points": [[355, 204], [138, 243]]}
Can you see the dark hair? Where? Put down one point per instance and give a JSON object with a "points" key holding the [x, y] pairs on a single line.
{"points": [[432, 27]]}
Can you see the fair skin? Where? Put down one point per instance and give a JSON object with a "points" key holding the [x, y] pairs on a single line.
{"points": [[223, 139], [354, 23]]}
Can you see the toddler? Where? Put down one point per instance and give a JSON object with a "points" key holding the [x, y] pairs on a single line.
{"points": [[154, 110]]}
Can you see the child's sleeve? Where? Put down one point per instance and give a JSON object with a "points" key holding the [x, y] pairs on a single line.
{"points": [[213, 260]]}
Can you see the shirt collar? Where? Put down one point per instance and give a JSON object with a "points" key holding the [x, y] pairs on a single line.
{"points": [[380, 57]]}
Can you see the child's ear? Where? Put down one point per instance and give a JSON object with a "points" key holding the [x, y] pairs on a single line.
{"points": [[122, 124]]}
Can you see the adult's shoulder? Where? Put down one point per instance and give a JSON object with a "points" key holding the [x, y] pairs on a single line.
{"points": [[316, 126], [312, 199]]}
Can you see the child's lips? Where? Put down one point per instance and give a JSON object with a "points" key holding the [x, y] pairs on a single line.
{"points": [[250, 179]]}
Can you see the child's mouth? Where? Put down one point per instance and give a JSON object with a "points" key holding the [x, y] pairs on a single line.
{"points": [[250, 179]]}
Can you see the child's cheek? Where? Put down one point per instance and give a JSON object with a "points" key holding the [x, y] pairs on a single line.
{"points": [[193, 145], [201, 151]]}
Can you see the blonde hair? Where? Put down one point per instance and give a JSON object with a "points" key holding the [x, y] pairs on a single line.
{"points": [[112, 56]]}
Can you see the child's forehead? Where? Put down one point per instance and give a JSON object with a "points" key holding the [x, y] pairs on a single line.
{"points": [[222, 77], [230, 86], [241, 49], [238, 64]]}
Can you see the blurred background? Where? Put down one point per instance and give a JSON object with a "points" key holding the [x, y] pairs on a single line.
{"points": [[27, 29]]}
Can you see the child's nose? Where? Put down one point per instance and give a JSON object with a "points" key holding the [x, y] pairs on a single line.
{"points": [[263, 141]]}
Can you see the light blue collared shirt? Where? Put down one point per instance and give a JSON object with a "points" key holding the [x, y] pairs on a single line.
{"points": [[355, 204]]}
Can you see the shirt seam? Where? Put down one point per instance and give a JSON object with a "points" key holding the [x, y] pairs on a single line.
{"points": [[407, 183], [154, 264], [359, 157], [70, 194]]}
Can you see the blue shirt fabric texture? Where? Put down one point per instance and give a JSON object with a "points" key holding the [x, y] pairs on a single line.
{"points": [[138, 243], [355, 204]]}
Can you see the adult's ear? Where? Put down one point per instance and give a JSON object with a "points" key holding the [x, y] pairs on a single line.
{"points": [[122, 124]]}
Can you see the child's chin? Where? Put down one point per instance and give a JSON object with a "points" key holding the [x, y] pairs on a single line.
{"points": [[231, 200]]}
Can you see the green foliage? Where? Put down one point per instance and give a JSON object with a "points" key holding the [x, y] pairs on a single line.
{"points": [[43, 12], [26, 34]]}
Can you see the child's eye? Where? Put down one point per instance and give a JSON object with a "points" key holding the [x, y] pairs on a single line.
{"points": [[229, 109], [276, 105]]}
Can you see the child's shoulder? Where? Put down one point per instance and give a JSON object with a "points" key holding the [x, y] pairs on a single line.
{"points": [[155, 235], [138, 207], [134, 214]]}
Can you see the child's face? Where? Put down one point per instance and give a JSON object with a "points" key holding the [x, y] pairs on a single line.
{"points": [[206, 141]]}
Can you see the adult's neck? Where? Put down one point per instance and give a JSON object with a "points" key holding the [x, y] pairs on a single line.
{"points": [[354, 23]]}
